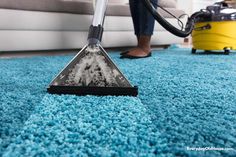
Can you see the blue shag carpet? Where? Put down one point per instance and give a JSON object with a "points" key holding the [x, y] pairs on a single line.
{"points": [[184, 101]]}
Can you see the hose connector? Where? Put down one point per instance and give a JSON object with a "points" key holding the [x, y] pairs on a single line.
{"points": [[95, 34]]}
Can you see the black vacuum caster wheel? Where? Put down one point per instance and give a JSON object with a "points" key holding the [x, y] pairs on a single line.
{"points": [[194, 51], [227, 51]]}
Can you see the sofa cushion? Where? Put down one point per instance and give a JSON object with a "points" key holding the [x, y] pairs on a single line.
{"points": [[168, 3], [163, 3], [119, 1], [73, 6]]}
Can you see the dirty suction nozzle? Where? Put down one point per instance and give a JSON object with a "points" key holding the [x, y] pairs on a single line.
{"points": [[92, 72]]}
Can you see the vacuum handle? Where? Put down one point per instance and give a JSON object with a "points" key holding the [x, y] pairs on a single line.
{"points": [[96, 29], [99, 14]]}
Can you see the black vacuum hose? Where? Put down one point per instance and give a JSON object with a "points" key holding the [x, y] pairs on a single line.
{"points": [[169, 27]]}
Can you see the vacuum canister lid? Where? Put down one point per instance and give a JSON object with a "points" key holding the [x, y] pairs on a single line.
{"points": [[218, 13]]}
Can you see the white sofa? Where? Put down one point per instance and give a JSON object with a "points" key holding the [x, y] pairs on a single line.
{"points": [[27, 25]]}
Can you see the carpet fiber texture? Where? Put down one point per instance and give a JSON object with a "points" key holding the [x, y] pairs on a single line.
{"points": [[184, 101]]}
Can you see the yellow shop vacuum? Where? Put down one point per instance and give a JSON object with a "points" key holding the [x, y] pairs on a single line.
{"points": [[215, 31], [212, 28]]}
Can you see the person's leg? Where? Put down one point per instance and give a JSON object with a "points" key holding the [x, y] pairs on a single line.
{"points": [[134, 10], [144, 26], [146, 20]]}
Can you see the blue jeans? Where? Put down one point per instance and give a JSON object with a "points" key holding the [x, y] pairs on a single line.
{"points": [[142, 19]]}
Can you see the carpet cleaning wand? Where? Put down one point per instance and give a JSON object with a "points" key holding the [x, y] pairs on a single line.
{"points": [[91, 71]]}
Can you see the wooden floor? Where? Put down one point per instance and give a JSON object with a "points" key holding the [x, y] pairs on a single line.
{"points": [[23, 54]]}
